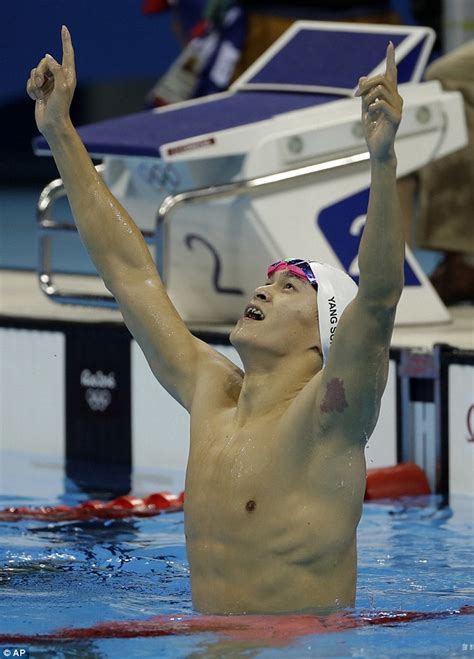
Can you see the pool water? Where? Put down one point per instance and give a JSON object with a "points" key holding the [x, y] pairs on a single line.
{"points": [[77, 574]]}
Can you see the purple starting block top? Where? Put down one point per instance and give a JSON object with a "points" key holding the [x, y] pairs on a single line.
{"points": [[338, 59], [314, 59], [143, 134]]}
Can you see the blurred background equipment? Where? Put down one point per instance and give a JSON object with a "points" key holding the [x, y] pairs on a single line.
{"points": [[293, 111], [446, 187], [211, 48]]}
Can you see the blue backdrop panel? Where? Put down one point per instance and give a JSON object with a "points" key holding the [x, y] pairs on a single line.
{"points": [[338, 59], [113, 41], [143, 133], [335, 223], [409, 62]]}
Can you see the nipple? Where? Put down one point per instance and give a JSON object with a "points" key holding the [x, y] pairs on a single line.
{"points": [[250, 505]]}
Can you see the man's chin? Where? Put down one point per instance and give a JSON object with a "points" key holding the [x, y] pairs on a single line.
{"points": [[236, 332], [244, 334]]}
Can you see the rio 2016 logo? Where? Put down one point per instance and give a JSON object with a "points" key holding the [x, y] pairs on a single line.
{"points": [[98, 389]]}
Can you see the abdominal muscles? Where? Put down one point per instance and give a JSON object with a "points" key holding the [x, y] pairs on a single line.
{"points": [[261, 539]]}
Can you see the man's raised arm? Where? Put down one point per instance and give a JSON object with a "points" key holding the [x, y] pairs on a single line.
{"points": [[354, 378], [114, 242], [382, 247]]}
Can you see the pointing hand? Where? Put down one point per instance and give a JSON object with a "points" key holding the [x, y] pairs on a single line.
{"points": [[52, 86], [381, 109]]}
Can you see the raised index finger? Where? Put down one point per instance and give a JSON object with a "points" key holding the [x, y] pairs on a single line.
{"points": [[68, 50], [391, 67]]}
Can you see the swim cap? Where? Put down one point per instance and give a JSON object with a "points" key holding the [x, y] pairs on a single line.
{"points": [[335, 290]]}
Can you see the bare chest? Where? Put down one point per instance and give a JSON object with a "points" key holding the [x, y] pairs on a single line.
{"points": [[239, 464], [257, 493], [257, 473], [235, 476]]}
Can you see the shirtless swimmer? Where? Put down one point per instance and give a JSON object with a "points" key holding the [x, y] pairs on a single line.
{"points": [[276, 472]]}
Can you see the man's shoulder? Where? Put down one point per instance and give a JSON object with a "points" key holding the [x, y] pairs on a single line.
{"points": [[218, 374]]}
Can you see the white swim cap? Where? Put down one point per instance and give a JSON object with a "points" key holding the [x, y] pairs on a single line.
{"points": [[335, 290]]}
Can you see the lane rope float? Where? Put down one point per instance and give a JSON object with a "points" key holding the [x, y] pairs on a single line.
{"points": [[273, 629], [123, 506]]}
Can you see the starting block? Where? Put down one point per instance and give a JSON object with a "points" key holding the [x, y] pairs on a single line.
{"points": [[276, 167]]}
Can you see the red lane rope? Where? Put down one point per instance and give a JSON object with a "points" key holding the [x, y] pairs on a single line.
{"points": [[124, 506], [274, 629]]}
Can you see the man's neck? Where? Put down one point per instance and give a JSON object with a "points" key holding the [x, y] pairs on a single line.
{"points": [[269, 388]]}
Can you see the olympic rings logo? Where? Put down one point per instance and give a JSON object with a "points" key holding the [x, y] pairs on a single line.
{"points": [[98, 399], [159, 176]]}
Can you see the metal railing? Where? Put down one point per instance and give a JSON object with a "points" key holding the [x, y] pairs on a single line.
{"points": [[47, 226]]}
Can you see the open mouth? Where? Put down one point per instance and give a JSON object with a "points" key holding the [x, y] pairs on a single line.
{"points": [[253, 313]]}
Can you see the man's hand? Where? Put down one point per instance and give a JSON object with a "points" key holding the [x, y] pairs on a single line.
{"points": [[52, 86], [381, 109]]}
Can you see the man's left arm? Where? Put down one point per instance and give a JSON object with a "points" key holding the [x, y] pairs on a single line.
{"points": [[382, 247], [354, 378]]}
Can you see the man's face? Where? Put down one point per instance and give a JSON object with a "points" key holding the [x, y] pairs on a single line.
{"points": [[281, 318]]}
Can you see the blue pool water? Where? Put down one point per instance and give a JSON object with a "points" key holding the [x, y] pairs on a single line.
{"points": [[76, 574]]}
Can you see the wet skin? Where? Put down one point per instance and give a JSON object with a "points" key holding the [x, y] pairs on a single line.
{"points": [[272, 499]]}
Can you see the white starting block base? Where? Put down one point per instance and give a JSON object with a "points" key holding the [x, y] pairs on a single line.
{"points": [[293, 111]]}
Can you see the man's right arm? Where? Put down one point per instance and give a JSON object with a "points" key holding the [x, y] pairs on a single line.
{"points": [[115, 243]]}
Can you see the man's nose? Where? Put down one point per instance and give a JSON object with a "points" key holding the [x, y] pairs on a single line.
{"points": [[262, 294]]}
